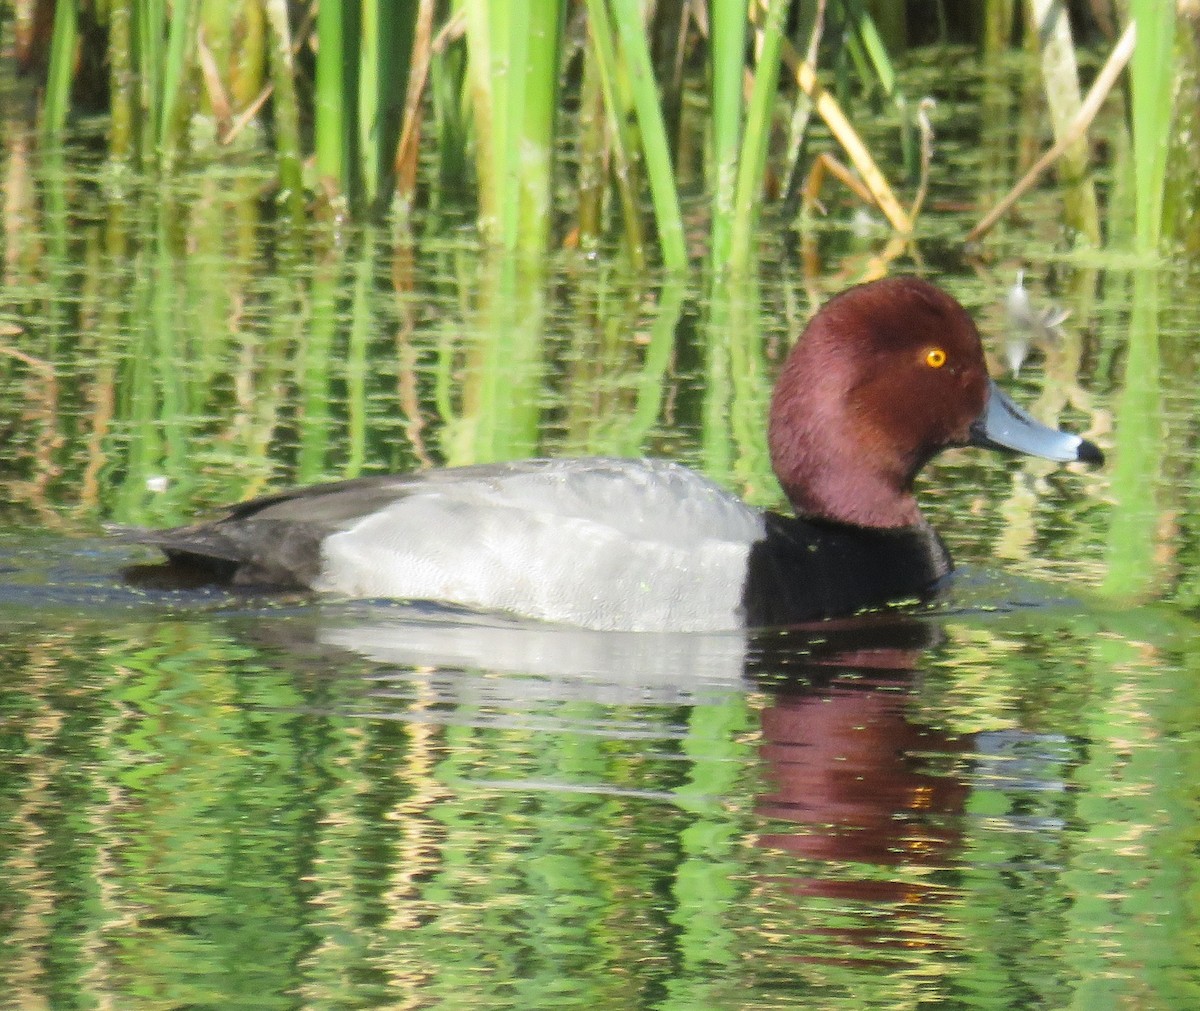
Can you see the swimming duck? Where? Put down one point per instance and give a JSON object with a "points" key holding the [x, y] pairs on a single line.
{"points": [[886, 375]]}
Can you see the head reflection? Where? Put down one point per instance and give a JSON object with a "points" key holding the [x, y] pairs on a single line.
{"points": [[853, 780]]}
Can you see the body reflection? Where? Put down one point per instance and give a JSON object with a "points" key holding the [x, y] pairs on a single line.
{"points": [[866, 799]]}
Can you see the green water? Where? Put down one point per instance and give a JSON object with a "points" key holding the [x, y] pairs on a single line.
{"points": [[218, 801]]}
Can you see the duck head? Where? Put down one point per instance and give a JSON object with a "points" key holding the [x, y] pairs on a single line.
{"points": [[885, 376]]}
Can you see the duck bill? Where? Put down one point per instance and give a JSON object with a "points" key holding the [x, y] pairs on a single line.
{"points": [[1003, 425]]}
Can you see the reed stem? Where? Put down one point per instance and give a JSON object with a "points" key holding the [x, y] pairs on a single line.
{"points": [[753, 159], [1152, 74], [122, 130], [287, 112], [659, 170], [172, 124], [616, 101], [58, 82], [330, 136], [727, 49]]}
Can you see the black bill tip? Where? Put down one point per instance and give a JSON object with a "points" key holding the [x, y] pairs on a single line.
{"points": [[1090, 453]]}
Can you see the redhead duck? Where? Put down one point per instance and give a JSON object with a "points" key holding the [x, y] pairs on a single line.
{"points": [[885, 376]]}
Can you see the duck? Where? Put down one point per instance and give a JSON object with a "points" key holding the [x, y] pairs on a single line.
{"points": [[886, 375]]}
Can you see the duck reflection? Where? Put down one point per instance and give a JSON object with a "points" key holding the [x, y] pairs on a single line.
{"points": [[864, 799], [843, 761], [866, 786]]}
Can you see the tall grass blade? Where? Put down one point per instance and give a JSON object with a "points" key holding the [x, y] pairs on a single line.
{"points": [[1152, 72], [592, 151], [375, 40], [514, 49], [659, 170], [726, 56], [330, 114], [879, 59], [1181, 199], [534, 137], [1061, 77], [122, 129], [616, 101], [287, 111], [148, 55], [382, 90], [62, 58], [185, 20], [753, 159], [508, 28]]}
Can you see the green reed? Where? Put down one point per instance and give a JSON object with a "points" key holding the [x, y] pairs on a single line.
{"points": [[873, 62], [287, 110], [514, 52], [609, 131], [727, 55], [753, 158], [492, 75], [1152, 76], [58, 79], [363, 54], [122, 104], [643, 84], [331, 139]]}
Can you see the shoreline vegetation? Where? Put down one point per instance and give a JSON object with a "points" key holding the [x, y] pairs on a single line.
{"points": [[584, 122]]}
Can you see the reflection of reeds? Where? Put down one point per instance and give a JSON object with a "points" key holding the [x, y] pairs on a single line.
{"points": [[43, 400], [1137, 467]]}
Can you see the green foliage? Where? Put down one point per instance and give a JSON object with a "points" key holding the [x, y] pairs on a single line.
{"points": [[501, 83], [58, 82], [1152, 73]]}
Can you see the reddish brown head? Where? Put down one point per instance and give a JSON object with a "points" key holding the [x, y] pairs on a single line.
{"points": [[886, 375]]}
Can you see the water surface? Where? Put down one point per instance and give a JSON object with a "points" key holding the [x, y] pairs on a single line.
{"points": [[220, 800]]}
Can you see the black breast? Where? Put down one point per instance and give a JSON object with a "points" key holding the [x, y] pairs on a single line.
{"points": [[806, 569]]}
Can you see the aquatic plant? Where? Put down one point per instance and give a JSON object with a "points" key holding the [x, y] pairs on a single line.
{"points": [[566, 116]]}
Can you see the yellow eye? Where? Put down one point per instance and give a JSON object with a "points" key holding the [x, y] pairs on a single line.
{"points": [[935, 358]]}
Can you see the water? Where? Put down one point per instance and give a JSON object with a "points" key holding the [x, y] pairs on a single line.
{"points": [[228, 803], [219, 800]]}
